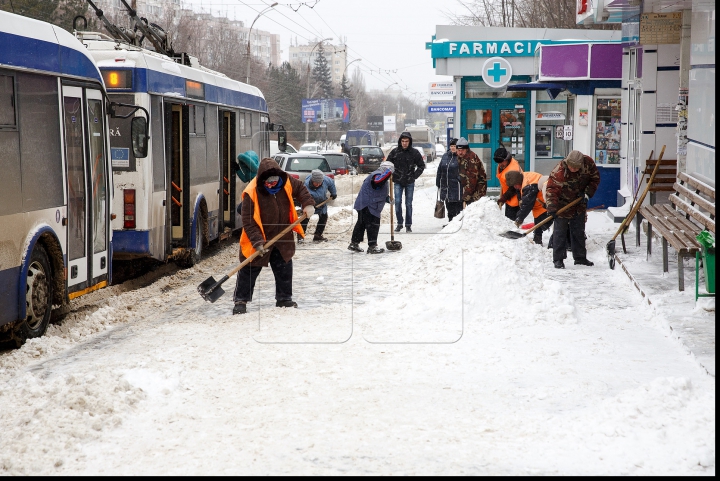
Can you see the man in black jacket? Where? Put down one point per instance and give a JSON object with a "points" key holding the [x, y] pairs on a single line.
{"points": [[409, 165]]}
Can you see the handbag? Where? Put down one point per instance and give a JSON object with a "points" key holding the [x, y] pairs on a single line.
{"points": [[439, 207]]}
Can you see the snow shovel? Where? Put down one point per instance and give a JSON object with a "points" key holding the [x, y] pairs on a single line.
{"points": [[511, 234], [392, 244], [210, 289], [610, 247]]}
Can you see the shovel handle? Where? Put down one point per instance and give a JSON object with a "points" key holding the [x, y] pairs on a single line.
{"points": [[392, 207], [551, 217]]}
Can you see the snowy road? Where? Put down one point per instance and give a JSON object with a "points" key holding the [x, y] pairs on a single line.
{"points": [[464, 353]]}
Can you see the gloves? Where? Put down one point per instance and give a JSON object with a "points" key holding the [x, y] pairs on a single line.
{"points": [[333, 196], [518, 223], [585, 199], [309, 211], [387, 199], [260, 248], [552, 212]]}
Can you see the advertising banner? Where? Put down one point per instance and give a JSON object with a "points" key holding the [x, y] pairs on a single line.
{"points": [[375, 123], [389, 123], [440, 90], [320, 110]]}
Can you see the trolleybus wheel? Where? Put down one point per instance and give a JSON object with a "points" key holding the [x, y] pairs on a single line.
{"points": [[38, 298]]}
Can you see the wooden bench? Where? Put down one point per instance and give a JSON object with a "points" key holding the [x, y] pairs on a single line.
{"points": [[664, 179], [691, 209]]}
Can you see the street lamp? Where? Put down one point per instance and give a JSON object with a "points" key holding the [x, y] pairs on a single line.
{"points": [[307, 94], [247, 75], [346, 66]]}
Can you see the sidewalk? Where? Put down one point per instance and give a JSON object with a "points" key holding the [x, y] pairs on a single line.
{"points": [[691, 322]]}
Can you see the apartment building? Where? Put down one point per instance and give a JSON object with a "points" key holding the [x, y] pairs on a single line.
{"points": [[336, 55]]}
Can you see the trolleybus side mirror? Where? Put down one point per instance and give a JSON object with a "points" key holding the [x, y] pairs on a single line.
{"points": [[282, 139], [139, 135]]}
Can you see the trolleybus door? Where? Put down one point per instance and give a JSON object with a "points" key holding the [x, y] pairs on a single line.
{"points": [[99, 196], [77, 241], [227, 154], [178, 189]]}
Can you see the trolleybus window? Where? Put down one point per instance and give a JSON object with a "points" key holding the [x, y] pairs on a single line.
{"points": [[9, 151], [7, 102], [76, 177], [158, 144], [97, 164]]}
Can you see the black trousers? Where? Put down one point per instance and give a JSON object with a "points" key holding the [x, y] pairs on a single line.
{"points": [[512, 212], [283, 272], [366, 222], [453, 208], [538, 233], [575, 226], [319, 229]]}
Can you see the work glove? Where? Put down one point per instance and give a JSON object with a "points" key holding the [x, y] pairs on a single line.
{"points": [[333, 196], [518, 223], [585, 200], [260, 248], [552, 212], [309, 211], [500, 203]]}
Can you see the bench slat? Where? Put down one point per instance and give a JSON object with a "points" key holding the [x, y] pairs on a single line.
{"points": [[663, 180], [687, 223], [673, 172], [662, 162], [697, 184], [693, 197], [694, 213], [661, 219], [683, 228], [661, 188]]}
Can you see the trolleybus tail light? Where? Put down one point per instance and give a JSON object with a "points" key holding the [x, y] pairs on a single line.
{"points": [[362, 161], [129, 208]]}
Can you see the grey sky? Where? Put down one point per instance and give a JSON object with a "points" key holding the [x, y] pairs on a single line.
{"points": [[388, 35]]}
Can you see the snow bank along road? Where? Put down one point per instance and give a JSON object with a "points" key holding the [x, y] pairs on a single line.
{"points": [[463, 353]]}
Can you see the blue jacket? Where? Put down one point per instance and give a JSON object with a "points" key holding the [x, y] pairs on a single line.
{"points": [[320, 194], [373, 195], [447, 178]]}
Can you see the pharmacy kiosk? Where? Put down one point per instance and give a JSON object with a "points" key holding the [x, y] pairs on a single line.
{"points": [[537, 92]]}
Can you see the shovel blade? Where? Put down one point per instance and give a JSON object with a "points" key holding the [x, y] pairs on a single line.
{"points": [[393, 245], [610, 248], [210, 290], [511, 234]]}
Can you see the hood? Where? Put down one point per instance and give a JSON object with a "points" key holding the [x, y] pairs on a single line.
{"points": [[267, 168], [407, 135]]}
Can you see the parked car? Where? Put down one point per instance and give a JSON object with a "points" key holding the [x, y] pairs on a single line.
{"points": [[422, 152], [366, 158], [275, 150], [440, 150], [428, 148], [311, 147], [339, 163], [300, 164]]}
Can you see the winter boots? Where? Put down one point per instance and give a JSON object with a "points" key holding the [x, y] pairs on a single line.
{"points": [[320, 238], [285, 304], [559, 264], [354, 247], [398, 228], [240, 308], [583, 262], [408, 229], [375, 250]]}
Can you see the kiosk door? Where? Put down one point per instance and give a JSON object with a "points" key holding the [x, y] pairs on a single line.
{"points": [[491, 123]]}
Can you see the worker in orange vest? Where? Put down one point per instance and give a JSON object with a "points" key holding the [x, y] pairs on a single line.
{"points": [[529, 188], [507, 163], [268, 207]]}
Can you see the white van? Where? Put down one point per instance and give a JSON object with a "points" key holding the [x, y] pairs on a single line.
{"points": [[275, 150]]}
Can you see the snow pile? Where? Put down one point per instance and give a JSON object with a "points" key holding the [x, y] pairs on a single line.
{"points": [[469, 272]]}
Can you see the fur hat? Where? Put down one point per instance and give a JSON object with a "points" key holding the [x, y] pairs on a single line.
{"points": [[453, 141], [501, 155], [317, 176], [575, 159], [514, 177]]}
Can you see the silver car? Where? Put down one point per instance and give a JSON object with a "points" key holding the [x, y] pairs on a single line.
{"points": [[299, 165]]}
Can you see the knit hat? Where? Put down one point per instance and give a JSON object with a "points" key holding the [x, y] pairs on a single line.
{"points": [[575, 159], [514, 177], [453, 141], [317, 176], [388, 165], [249, 158], [462, 142], [501, 155]]}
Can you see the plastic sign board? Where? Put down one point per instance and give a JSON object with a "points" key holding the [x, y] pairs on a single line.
{"points": [[567, 132], [319, 110], [389, 123], [435, 109], [496, 72], [486, 48], [440, 90]]}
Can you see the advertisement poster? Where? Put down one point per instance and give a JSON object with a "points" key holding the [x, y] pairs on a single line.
{"points": [[317, 110], [583, 117], [607, 132]]}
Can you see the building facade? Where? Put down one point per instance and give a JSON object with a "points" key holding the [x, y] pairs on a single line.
{"points": [[336, 56]]}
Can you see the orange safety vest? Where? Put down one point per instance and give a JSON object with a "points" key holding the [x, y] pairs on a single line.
{"points": [[513, 165], [535, 178], [251, 190]]}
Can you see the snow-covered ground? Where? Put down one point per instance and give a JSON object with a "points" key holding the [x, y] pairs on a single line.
{"points": [[463, 353]]}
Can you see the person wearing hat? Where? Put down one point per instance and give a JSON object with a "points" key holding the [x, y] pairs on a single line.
{"points": [[409, 165], [369, 204], [246, 166], [507, 163], [471, 171], [575, 176], [268, 207], [318, 184], [447, 180], [528, 188]]}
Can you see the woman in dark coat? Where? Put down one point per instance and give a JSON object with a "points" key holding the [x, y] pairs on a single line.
{"points": [[447, 180]]}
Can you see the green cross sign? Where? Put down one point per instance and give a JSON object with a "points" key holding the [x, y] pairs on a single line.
{"points": [[496, 72]]}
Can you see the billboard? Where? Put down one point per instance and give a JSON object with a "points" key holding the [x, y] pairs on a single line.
{"points": [[375, 123], [321, 110], [389, 123]]}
